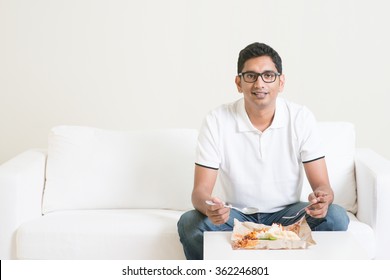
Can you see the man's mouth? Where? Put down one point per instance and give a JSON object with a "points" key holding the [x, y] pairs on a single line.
{"points": [[260, 94]]}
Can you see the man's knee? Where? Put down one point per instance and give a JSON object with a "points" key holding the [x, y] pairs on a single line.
{"points": [[191, 223], [337, 218], [186, 220]]}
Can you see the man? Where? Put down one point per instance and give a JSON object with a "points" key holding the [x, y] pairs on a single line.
{"points": [[260, 147]]}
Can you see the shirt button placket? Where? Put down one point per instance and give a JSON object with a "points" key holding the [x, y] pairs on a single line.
{"points": [[261, 152]]}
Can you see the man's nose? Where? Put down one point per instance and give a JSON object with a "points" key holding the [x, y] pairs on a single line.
{"points": [[259, 82]]}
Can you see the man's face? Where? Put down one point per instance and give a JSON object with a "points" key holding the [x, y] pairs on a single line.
{"points": [[260, 95]]}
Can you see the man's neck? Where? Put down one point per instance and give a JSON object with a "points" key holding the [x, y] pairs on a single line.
{"points": [[261, 119]]}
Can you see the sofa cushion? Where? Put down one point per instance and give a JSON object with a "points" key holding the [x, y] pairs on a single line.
{"points": [[339, 143], [90, 168], [101, 234], [363, 233]]}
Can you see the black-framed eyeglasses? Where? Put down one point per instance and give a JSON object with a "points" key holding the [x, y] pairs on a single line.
{"points": [[266, 76]]}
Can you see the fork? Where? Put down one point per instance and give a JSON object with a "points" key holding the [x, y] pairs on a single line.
{"points": [[297, 214]]}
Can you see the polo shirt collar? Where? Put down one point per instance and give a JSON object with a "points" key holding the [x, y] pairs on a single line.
{"points": [[244, 124]]}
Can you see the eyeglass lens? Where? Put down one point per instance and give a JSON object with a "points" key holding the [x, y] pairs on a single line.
{"points": [[267, 77]]}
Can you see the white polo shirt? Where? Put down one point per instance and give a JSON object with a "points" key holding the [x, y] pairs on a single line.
{"points": [[260, 169]]}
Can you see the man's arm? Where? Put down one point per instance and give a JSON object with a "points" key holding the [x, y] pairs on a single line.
{"points": [[204, 183], [322, 195]]}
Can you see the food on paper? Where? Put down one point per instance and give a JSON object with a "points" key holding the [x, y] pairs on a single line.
{"points": [[276, 231], [248, 235]]}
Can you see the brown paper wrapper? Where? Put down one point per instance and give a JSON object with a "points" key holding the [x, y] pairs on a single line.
{"points": [[301, 228]]}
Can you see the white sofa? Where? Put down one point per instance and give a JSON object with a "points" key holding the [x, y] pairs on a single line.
{"points": [[100, 194]]}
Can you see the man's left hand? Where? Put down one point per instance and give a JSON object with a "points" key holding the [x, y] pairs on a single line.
{"points": [[320, 202]]}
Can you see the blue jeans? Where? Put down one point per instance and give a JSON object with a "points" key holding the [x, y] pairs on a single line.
{"points": [[193, 223]]}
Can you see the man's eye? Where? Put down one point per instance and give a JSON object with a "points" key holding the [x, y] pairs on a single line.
{"points": [[268, 75], [250, 76]]}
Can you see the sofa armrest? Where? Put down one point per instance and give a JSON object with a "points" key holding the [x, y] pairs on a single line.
{"points": [[21, 184], [373, 192]]}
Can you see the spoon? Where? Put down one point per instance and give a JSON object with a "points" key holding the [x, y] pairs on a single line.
{"points": [[245, 210]]}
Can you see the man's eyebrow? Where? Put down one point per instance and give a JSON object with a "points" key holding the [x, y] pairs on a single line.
{"points": [[251, 71]]}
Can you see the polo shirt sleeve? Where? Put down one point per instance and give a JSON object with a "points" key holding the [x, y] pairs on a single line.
{"points": [[311, 148], [207, 153]]}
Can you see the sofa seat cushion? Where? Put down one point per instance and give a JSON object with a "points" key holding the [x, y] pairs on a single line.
{"points": [[101, 234], [363, 233]]}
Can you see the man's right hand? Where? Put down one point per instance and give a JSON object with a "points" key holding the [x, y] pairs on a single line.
{"points": [[217, 213]]}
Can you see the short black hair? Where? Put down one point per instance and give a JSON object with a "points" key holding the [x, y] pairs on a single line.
{"points": [[256, 50]]}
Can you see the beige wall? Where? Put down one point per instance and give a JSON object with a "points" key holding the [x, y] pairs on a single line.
{"points": [[121, 64]]}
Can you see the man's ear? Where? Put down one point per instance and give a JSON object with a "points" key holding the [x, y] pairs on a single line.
{"points": [[238, 83], [281, 82]]}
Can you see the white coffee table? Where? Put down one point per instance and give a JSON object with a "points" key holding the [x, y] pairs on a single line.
{"points": [[339, 245]]}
